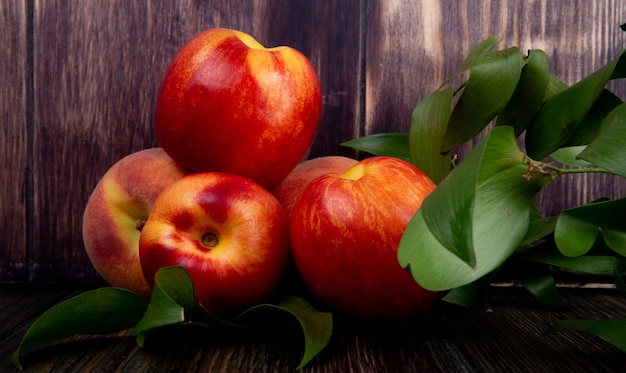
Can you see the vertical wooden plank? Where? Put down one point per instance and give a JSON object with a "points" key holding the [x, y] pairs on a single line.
{"points": [[412, 48], [98, 67], [13, 140]]}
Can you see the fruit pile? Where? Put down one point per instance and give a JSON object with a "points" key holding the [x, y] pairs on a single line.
{"points": [[228, 197]]}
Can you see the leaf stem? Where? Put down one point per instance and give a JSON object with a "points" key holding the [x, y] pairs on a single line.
{"points": [[543, 167]]}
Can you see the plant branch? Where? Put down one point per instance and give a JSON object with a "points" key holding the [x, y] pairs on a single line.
{"points": [[547, 168]]}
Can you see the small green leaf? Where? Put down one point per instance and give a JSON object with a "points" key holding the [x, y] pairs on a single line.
{"points": [[600, 265], [612, 331], [171, 302], [481, 48], [529, 94], [488, 90], [569, 156], [577, 228], [101, 311], [463, 296], [316, 326], [543, 288], [608, 149], [428, 125], [560, 116], [389, 144], [574, 236]]}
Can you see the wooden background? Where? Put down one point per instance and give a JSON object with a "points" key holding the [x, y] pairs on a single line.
{"points": [[79, 79]]}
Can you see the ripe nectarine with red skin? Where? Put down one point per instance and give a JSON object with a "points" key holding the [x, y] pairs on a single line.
{"points": [[228, 104], [345, 232], [228, 232]]}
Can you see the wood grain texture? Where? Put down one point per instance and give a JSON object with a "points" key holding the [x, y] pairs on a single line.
{"points": [[507, 335], [14, 118]]}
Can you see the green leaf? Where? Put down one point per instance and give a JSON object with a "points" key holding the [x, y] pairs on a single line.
{"points": [[620, 269], [591, 124], [529, 94], [612, 331], [171, 302], [481, 48], [447, 211], [543, 287], [389, 144], [600, 265], [569, 156], [316, 326], [498, 210], [463, 296], [488, 90], [560, 116], [555, 86], [577, 228], [538, 228], [608, 149], [428, 125], [101, 311]]}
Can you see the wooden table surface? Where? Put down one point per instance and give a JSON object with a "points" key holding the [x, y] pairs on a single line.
{"points": [[506, 335]]}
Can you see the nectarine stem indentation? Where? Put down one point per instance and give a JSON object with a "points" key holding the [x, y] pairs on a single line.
{"points": [[139, 224], [209, 240]]}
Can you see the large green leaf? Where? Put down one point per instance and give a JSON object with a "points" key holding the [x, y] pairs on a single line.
{"points": [[499, 221], [488, 90], [612, 331], [316, 326], [529, 94], [478, 216], [608, 149], [171, 302], [577, 228], [394, 144], [101, 311], [447, 211], [560, 116], [428, 125]]}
